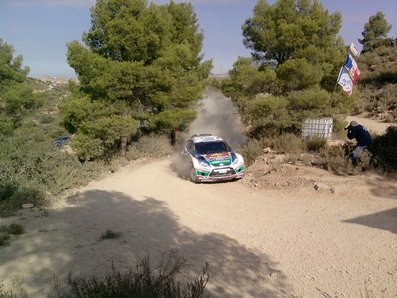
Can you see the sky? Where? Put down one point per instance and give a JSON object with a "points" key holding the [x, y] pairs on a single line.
{"points": [[40, 29]]}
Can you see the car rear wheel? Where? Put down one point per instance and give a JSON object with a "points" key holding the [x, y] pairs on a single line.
{"points": [[193, 176]]}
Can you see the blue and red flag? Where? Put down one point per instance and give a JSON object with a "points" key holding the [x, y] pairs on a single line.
{"points": [[352, 68]]}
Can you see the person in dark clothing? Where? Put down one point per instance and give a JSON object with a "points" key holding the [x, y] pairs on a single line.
{"points": [[362, 136]]}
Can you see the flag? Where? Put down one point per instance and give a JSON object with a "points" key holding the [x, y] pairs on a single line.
{"points": [[345, 81], [352, 67], [354, 50]]}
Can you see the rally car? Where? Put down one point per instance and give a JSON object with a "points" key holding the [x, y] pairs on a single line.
{"points": [[212, 159]]}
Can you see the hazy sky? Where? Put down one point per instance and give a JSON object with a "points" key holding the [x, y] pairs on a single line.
{"points": [[40, 29]]}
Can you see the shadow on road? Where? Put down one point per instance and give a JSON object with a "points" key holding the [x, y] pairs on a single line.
{"points": [[68, 240], [385, 220]]}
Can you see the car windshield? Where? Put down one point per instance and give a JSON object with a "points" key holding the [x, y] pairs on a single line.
{"points": [[211, 147]]}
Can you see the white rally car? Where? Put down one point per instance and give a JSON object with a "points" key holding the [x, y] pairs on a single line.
{"points": [[212, 159]]}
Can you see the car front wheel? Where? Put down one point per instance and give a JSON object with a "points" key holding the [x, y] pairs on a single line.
{"points": [[193, 176]]}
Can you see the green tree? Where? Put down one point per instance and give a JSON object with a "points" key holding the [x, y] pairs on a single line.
{"points": [[300, 34], [268, 113], [280, 31], [248, 78], [16, 95], [375, 32], [145, 59], [298, 74]]}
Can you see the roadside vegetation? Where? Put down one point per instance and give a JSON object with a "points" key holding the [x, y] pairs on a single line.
{"points": [[128, 97], [140, 70], [6, 231], [291, 76], [146, 280]]}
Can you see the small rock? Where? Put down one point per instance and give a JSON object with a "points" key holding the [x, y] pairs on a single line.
{"points": [[332, 190], [27, 206], [316, 187], [267, 150]]}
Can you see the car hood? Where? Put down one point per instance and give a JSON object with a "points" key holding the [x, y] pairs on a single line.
{"points": [[218, 159]]}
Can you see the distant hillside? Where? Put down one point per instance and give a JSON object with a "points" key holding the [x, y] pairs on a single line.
{"points": [[378, 84]]}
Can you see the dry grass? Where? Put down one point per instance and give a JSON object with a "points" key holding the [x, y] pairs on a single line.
{"points": [[338, 161], [150, 146], [145, 282], [315, 143]]}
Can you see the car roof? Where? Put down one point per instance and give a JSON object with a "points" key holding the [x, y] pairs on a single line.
{"points": [[202, 138]]}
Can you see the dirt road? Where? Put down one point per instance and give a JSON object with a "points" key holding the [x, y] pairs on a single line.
{"points": [[372, 125], [259, 242]]}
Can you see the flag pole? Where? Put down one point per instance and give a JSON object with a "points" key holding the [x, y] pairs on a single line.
{"points": [[336, 85]]}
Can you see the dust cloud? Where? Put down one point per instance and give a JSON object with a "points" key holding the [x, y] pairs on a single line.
{"points": [[217, 116]]}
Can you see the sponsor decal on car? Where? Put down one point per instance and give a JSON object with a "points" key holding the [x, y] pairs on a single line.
{"points": [[219, 159]]}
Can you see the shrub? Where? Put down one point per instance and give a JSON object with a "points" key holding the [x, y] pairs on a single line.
{"points": [[146, 282], [251, 151], [289, 143], [384, 148], [315, 143], [339, 124], [16, 229], [16, 290], [109, 234], [150, 146], [23, 195], [336, 160], [310, 102], [6, 231], [268, 111], [7, 189]]}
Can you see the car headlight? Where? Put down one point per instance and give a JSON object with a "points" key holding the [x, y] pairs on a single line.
{"points": [[234, 158]]}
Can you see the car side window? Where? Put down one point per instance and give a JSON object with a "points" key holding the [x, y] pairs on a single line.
{"points": [[190, 147]]}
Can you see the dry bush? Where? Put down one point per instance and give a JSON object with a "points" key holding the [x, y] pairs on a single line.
{"points": [[292, 158], [150, 146], [315, 143], [109, 234], [6, 231], [14, 229], [384, 148], [289, 143], [336, 160], [285, 143], [25, 194], [339, 124], [15, 290], [145, 282], [252, 150]]}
